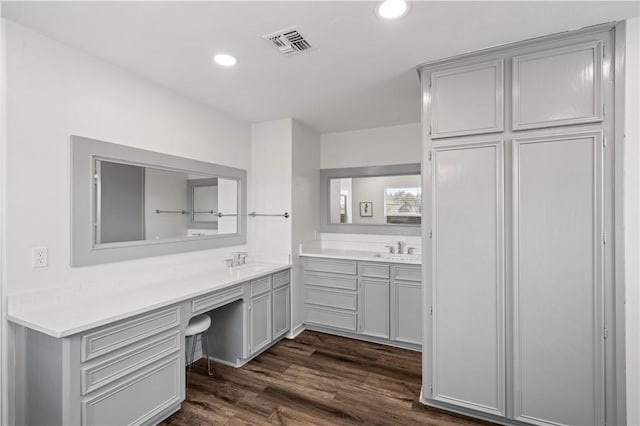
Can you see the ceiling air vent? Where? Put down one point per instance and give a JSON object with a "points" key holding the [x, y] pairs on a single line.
{"points": [[289, 41]]}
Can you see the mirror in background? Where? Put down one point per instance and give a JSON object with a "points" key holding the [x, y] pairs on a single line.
{"points": [[136, 203], [376, 200]]}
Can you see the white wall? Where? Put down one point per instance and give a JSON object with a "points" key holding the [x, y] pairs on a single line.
{"points": [[372, 147], [306, 205], [631, 219], [271, 180], [53, 92]]}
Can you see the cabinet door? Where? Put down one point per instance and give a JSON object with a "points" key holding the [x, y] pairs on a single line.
{"points": [[260, 322], [281, 310], [558, 281], [467, 100], [467, 277], [558, 87], [373, 307], [406, 312]]}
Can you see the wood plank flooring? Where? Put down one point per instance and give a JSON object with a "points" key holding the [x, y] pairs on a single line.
{"points": [[316, 379]]}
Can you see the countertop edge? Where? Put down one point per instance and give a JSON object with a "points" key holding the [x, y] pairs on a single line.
{"points": [[361, 258]]}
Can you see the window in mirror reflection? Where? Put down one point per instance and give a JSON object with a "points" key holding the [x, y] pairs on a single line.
{"points": [[394, 199], [135, 203]]}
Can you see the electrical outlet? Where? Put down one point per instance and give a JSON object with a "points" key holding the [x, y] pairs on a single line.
{"points": [[39, 257]]}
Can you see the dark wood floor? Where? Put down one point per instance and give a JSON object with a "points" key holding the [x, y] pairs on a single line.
{"points": [[316, 379]]}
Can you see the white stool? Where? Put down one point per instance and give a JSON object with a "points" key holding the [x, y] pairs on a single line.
{"points": [[198, 326]]}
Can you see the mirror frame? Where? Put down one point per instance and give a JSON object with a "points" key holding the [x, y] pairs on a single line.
{"points": [[84, 152], [356, 172]]}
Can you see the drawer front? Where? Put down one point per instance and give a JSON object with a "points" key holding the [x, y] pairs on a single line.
{"points": [[374, 270], [407, 273], [281, 278], [215, 300], [331, 318], [331, 298], [138, 399], [124, 363], [260, 286], [331, 266], [333, 281], [120, 335]]}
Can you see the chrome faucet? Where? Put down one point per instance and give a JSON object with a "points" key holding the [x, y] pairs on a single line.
{"points": [[402, 247], [237, 258]]}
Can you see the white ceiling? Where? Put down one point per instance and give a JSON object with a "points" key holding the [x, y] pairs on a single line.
{"points": [[361, 73]]}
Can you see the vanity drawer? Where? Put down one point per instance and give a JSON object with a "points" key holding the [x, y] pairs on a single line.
{"points": [[261, 285], [334, 281], [138, 399], [331, 318], [217, 299], [109, 339], [374, 270], [331, 266], [281, 278], [331, 298], [407, 273], [126, 362]]}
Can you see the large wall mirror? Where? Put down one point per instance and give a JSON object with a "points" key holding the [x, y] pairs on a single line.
{"points": [[372, 200], [129, 203]]}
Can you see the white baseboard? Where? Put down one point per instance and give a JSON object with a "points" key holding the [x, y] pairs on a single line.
{"points": [[295, 332]]}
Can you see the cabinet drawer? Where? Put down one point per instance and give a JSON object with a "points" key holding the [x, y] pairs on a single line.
{"points": [[134, 358], [217, 299], [137, 400], [120, 335], [261, 285], [331, 266], [407, 273], [374, 270], [331, 318], [335, 281], [281, 278], [331, 298]]}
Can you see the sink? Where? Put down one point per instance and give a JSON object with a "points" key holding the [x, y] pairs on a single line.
{"points": [[393, 256]]}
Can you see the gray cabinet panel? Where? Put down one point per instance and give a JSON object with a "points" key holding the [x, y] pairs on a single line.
{"points": [[406, 312], [332, 266], [281, 278], [468, 279], [111, 368], [219, 298], [557, 87], [260, 286], [114, 337], [467, 100], [558, 282], [260, 322], [334, 281], [281, 311], [331, 318], [406, 273], [373, 270], [138, 399], [331, 298], [373, 307]]}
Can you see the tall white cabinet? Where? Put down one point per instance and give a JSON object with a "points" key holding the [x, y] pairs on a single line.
{"points": [[518, 189]]}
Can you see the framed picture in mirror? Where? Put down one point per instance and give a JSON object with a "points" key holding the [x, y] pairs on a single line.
{"points": [[366, 209]]}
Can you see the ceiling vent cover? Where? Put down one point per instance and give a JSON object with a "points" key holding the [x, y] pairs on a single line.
{"points": [[289, 41]]}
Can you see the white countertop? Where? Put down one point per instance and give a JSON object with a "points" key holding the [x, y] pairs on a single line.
{"points": [[311, 250], [64, 311]]}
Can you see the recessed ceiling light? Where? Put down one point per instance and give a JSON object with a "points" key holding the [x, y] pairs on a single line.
{"points": [[392, 9], [225, 60]]}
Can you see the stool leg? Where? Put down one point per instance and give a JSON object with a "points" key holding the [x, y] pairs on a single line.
{"points": [[193, 354], [205, 348]]}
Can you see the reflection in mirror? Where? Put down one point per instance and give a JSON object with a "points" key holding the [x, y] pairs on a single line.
{"points": [[376, 200], [136, 203]]}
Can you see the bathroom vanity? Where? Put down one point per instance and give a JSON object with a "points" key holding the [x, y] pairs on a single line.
{"points": [[96, 356], [363, 295]]}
